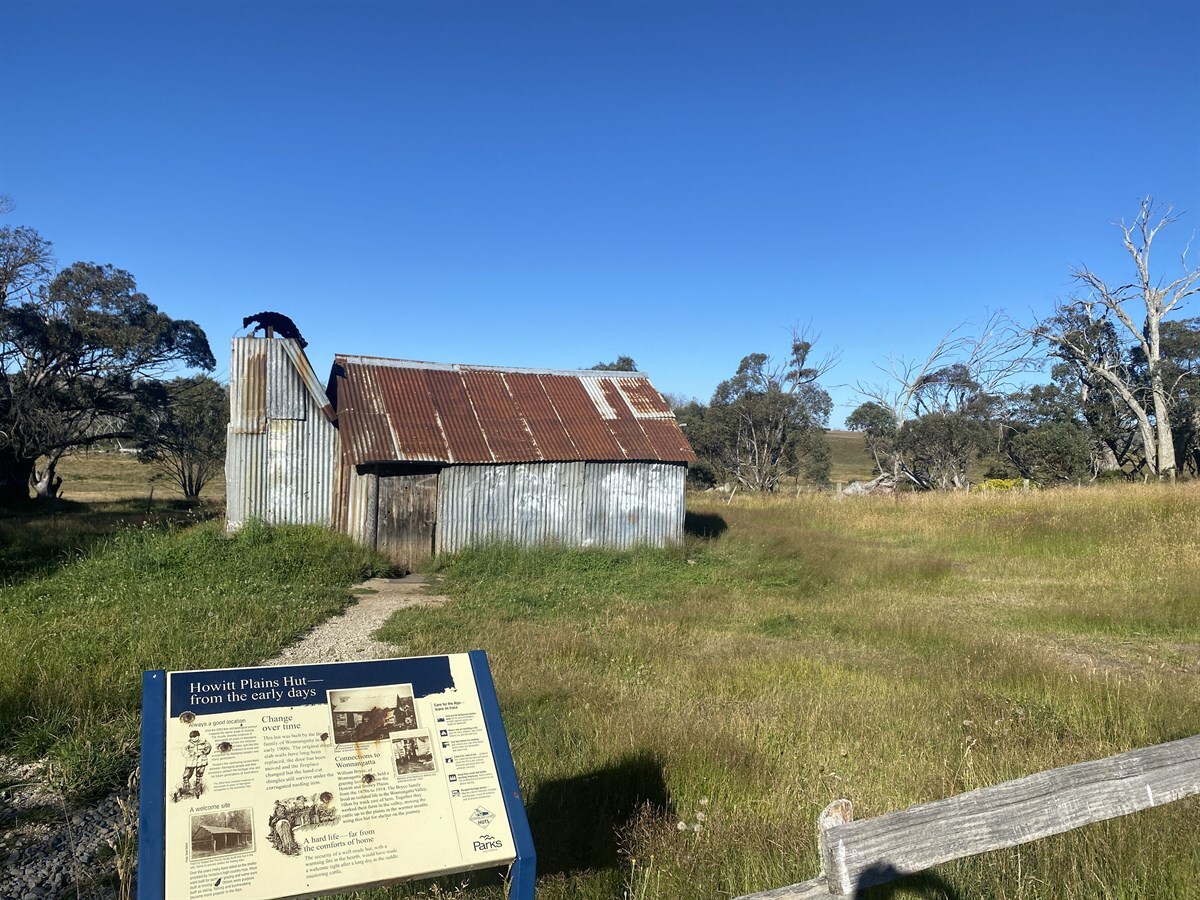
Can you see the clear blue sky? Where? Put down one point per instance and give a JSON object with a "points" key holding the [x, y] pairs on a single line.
{"points": [[555, 184]]}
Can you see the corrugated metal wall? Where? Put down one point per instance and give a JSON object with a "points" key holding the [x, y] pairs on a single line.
{"points": [[531, 503], [283, 464], [248, 387], [614, 505], [281, 448], [361, 493], [287, 397], [245, 477], [625, 504]]}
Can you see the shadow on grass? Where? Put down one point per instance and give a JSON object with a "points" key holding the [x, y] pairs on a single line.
{"points": [[707, 526], [924, 884], [39, 536], [576, 821]]}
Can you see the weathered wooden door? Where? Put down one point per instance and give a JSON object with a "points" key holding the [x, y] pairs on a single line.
{"points": [[407, 518]]}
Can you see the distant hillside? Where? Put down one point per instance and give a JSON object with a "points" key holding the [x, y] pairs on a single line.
{"points": [[850, 460]]}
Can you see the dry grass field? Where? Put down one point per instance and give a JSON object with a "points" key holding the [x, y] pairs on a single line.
{"points": [[110, 476], [850, 461], [680, 718]]}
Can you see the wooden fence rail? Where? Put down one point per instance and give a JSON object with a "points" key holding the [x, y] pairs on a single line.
{"points": [[865, 853]]}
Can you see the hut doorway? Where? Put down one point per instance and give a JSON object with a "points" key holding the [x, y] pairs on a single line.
{"points": [[406, 516]]}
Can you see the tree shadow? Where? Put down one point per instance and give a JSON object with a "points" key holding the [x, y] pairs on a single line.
{"points": [[886, 882], [576, 821], [40, 536], [706, 526]]}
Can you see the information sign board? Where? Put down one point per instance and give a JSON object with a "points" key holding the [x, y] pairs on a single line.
{"points": [[294, 781]]}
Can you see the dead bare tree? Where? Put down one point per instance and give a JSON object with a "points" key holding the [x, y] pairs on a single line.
{"points": [[958, 377], [899, 391], [1138, 308]]}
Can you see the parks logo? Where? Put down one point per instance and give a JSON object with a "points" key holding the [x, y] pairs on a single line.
{"points": [[487, 842]]}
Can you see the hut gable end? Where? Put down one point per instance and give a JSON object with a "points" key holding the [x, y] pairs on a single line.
{"points": [[281, 442]]}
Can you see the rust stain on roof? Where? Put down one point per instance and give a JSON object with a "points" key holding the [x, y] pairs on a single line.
{"points": [[429, 412], [643, 399]]}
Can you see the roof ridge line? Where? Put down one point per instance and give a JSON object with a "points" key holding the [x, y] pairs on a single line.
{"points": [[389, 362]]}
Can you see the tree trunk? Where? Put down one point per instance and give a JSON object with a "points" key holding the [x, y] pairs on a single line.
{"points": [[15, 475], [1162, 424], [1189, 447], [46, 483], [1106, 459]]}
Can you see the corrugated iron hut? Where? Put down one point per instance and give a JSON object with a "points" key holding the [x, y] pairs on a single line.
{"points": [[419, 458]]}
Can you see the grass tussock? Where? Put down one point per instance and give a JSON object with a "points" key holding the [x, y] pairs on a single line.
{"points": [[151, 596], [889, 651]]}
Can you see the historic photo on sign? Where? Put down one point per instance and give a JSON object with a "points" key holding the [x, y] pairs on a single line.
{"points": [[413, 752], [195, 755], [371, 714], [230, 831]]}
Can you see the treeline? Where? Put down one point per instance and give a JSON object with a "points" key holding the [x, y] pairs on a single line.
{"points": [[1123, 398], [85, 359]]}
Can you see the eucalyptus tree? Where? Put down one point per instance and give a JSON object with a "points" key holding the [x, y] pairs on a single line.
{"points": [[767, 423], [80, 354], [927, 420], [620, 364], [1181, 372], [182, 433]]}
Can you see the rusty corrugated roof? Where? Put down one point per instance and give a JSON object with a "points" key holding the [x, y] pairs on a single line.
{"points": [[406, 411]]}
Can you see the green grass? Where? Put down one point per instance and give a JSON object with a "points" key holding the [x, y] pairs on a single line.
{"points": [[80, 632], [38, 538]]}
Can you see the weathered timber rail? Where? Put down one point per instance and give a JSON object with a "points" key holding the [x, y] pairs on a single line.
{"points": [[862, 854]]}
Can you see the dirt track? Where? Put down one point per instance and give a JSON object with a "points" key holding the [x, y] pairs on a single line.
{"points": [[347, 637]]}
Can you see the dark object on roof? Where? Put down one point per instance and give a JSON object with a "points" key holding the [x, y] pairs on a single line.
{"points": [[406, 411], [278, 323]]}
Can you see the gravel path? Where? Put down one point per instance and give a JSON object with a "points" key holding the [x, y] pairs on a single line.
{"points": [[347, 637], [50, 851]]}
